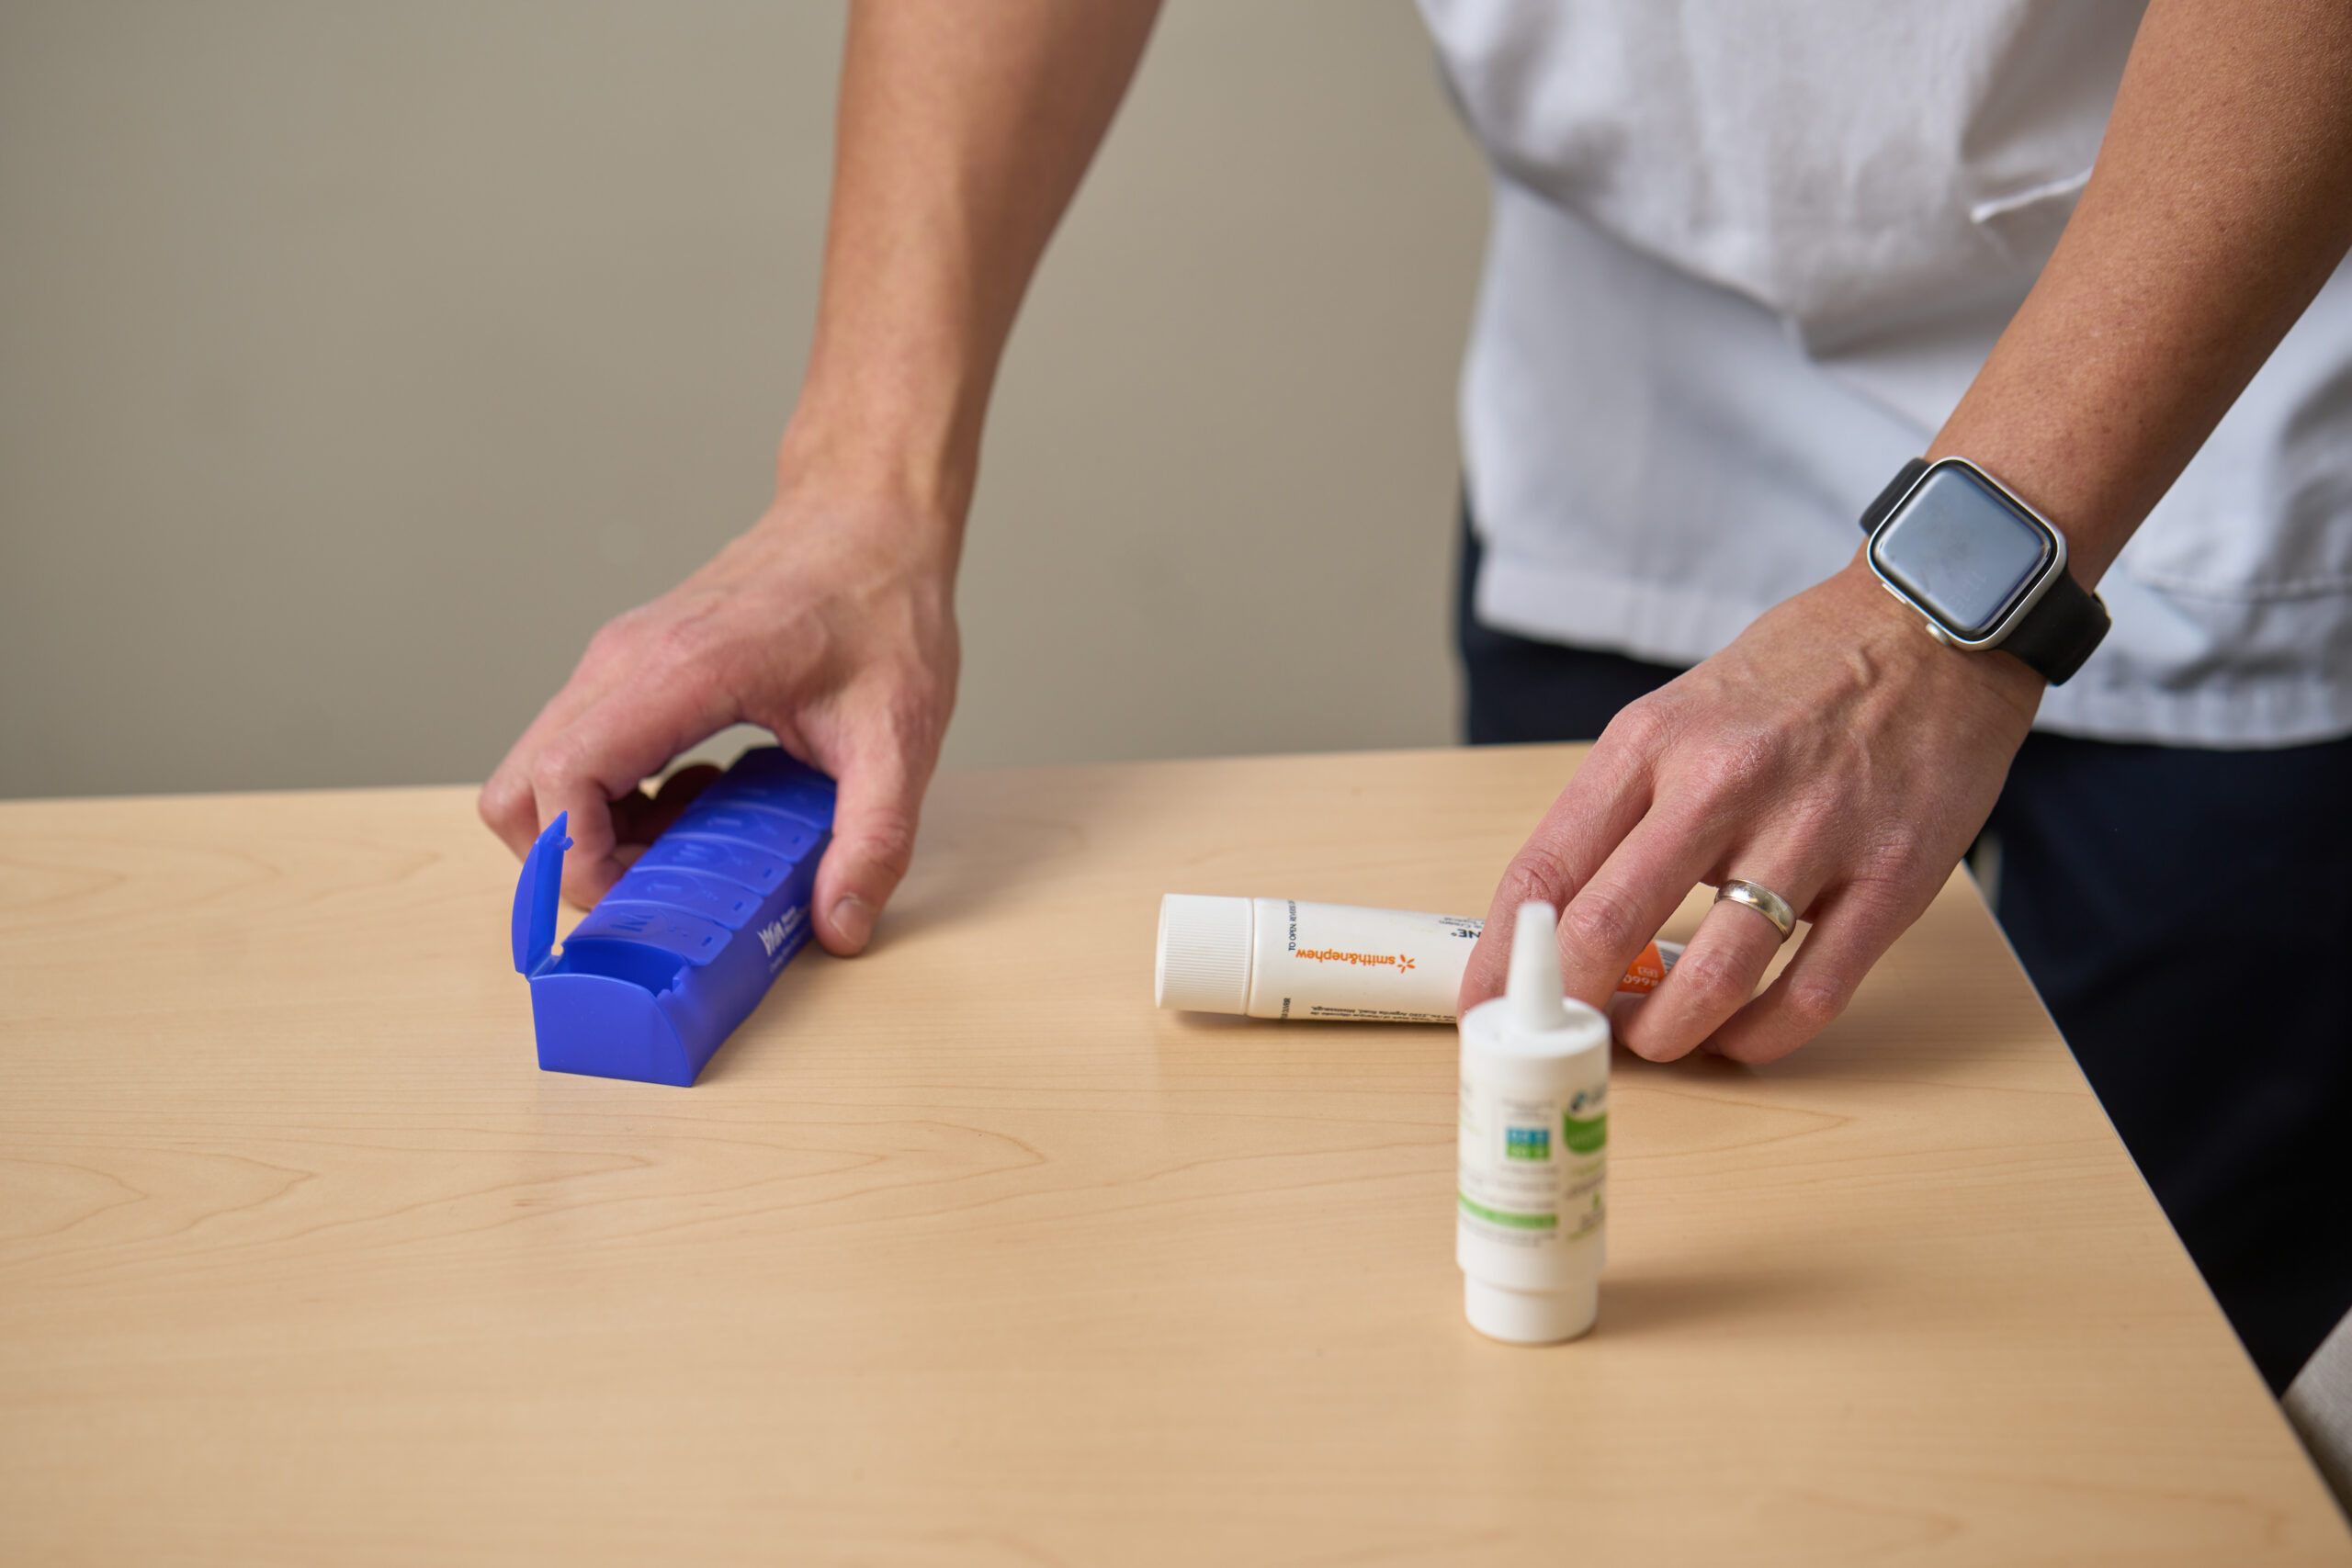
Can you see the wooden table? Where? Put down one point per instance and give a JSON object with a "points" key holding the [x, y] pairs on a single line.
{"points": [[961, 1253]]}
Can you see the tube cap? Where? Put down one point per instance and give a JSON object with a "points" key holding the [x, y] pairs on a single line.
{"points": [[1530, 1317], [1203, 953]]}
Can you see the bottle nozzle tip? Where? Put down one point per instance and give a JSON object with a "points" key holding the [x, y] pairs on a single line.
{"points": [[1534, 990]]}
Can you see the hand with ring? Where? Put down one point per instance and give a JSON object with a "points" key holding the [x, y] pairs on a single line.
{"points": [[1831, 765]]}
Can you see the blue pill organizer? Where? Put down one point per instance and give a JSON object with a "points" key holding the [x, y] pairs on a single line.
{"points": [[652, 980]]}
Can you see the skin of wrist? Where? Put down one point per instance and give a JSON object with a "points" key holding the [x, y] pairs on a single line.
{"points": [[1893, 637], [859, 469]]}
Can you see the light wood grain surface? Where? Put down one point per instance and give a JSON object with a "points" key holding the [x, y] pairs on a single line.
{"points": [[961, 1253]]}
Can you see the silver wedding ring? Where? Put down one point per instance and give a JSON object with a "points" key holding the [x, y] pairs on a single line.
{"points": [[1763, 900]]}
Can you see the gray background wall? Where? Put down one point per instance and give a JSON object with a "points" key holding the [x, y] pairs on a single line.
{"points": [[357, 362]]}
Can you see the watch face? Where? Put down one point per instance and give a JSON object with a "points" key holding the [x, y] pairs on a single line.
{"points": [[1962, 550]]}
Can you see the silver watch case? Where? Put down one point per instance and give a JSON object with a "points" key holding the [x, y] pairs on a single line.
{"points": [[1937, 627]]}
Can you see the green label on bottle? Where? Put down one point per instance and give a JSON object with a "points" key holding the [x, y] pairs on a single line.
{"points": [[1584, 1137], [1505, 1217]]}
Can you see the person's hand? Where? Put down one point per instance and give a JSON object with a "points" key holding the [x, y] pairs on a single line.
{"points": [[1834, 753], [832, 623]]}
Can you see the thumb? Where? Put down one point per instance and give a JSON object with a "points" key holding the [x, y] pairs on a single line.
{"points": [[874, 839]]}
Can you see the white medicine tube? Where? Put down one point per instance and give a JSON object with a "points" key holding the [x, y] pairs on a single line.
{"points": [[1286, 958], [1531, 1207]]}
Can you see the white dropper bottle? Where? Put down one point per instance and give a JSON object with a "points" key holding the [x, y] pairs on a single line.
{"points": [[1531, 1200]]}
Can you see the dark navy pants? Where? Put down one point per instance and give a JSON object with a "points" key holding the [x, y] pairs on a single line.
{"points": [[2186, 915]]}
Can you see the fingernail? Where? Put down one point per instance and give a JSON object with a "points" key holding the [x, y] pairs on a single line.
{"points": [[853, 919]]}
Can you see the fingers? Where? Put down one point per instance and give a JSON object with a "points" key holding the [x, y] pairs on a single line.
{"points": [[874, 841], [830, 623], [629, 734], [1601, 805], [1717, 973], [1617, 913], [1852, 930], [1872, 769], [508, 804]]}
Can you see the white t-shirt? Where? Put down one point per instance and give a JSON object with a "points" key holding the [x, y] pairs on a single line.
{"points": [[1746, 259]]}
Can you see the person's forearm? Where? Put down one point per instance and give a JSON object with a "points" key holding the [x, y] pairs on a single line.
{"points": [[964, 129], [2221, 202]]}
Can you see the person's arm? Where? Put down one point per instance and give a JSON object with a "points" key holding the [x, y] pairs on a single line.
{"points": [[964, 129], [1835, 752]]}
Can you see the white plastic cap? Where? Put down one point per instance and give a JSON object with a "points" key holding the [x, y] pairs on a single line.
{"points": [[1532, 1019], [1530, 1317], [1203, 953], [1536, 1000]]}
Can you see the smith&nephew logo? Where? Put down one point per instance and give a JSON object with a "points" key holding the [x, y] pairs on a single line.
{"points": [[1396, 961]]}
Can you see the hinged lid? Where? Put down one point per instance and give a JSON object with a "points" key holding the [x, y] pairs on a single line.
{"points": [[535, 895], [659, 926]]}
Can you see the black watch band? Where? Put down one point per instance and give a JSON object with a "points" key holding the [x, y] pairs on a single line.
{"points": [[1897, 489], [2065, 625]]}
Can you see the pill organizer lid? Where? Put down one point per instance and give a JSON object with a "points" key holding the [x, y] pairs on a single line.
{"points": [[747, 864], [659, 926], [753, 823], [696, 892], [535, 896]]}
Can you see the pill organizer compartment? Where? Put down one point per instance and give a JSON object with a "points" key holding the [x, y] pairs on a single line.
{"points": [[655, 977]]}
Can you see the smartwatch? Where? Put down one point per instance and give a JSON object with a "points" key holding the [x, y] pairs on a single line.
{"points": [[1982, 567]]}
